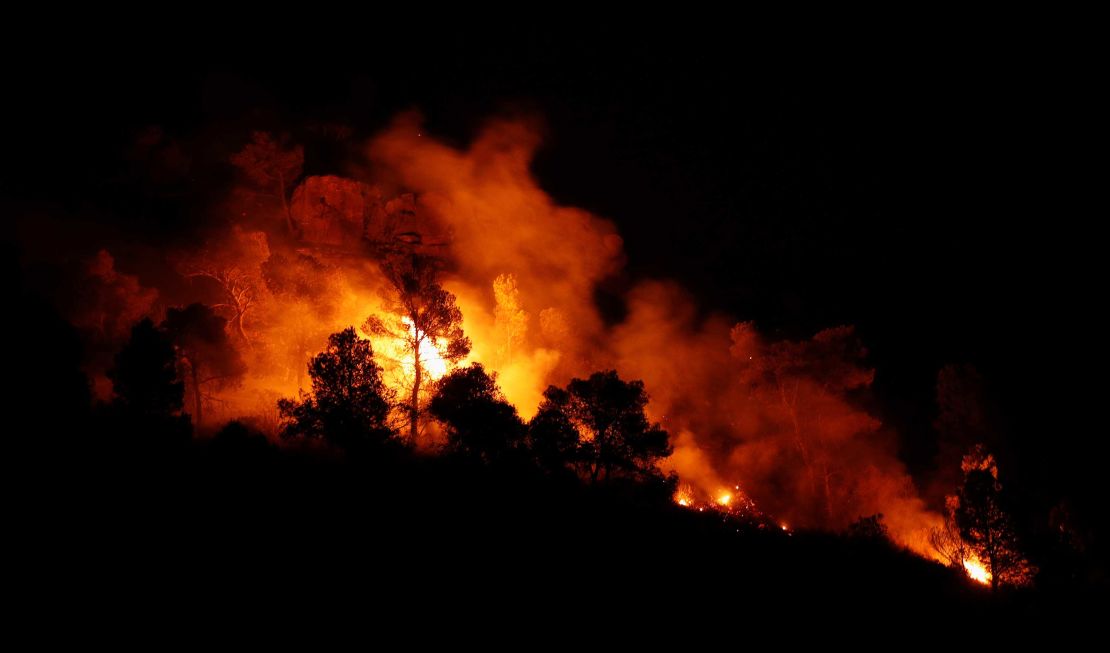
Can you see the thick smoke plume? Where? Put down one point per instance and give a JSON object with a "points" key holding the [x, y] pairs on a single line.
{"points": [[785, 421]]}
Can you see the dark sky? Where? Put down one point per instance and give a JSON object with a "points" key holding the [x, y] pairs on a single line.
{"points": [[933, 190]]}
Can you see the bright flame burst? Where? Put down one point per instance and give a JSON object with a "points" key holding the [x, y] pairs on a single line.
{"points": [[431, 356], [684, 496], [976, 571], [432, 360], [397, 351]]}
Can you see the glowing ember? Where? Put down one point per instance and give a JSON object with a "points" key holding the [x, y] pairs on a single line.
{"points": [[977, 572]]}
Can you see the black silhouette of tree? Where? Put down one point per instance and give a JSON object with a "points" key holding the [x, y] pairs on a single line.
{"points": [[349, 405], [208, 358], [144, 376], [985, 525], [422, 314], [615, 437], [552, 436], [479, 422], [148, 395]]}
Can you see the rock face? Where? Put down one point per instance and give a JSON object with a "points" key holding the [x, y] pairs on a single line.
{"points": [[334, 211]]}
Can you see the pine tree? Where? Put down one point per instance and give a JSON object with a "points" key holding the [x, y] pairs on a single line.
{"points": [[615, 437], [349, 404], [425, 320], [984, 524]]}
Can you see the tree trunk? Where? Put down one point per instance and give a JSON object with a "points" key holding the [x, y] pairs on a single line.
{"points": [[196, 396], [791, 410], [285, 207], [239, 325], [414, 409], [992, 558]]}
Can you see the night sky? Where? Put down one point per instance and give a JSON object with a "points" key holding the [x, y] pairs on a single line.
{"points": [[934, 191]]}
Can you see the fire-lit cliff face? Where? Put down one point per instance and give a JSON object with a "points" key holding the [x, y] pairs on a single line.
{"points": [[755, 422]]}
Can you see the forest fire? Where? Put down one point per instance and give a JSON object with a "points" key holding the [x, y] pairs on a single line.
{"points": [[732, 502], [428, 309], [435, 232], [977, 572]]}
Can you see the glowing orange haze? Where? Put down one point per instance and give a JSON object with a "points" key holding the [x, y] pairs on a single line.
{"points": [[779, 417]]}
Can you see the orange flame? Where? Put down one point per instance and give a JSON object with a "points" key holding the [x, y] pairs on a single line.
{"points": [[539, 325], [976, 571], [431, 356], [684, 496]]}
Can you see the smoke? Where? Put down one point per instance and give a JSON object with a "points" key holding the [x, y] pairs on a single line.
{"points": [[786, 421], [782, 420], [104, 304], [109, 302], [499, 221]]}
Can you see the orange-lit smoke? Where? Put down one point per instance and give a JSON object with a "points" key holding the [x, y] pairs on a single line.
{"points": [[501, 222], [782, 420], [781, 416]]}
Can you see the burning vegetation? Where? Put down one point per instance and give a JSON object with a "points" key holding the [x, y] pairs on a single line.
{"points": [[437, 298]]}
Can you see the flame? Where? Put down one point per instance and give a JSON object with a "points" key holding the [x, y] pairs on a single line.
{"points": [[432, 364], [729, 502], [541, 328], [976, 571], [684, 496], [431, 356]]}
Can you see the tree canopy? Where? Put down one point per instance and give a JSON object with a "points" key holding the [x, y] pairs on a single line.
{"points": [[614, 436], [479, 422], [148, 395], [349, 405], [985, 525], [144, 375], [422, 315]]}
